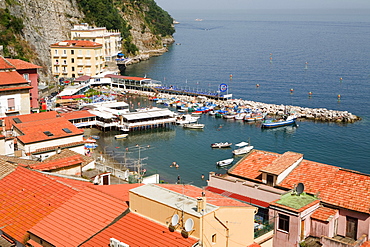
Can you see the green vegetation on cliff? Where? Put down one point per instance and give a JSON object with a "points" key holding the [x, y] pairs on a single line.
{"points": [[10, 28], [108, 13]]}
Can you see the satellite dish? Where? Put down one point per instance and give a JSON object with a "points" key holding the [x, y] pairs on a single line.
{"points": [[189, 224], [175, 220], [299, 188]]}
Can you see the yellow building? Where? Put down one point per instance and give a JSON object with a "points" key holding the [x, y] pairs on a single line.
{"points": [[74, 58], [111, 40], [213, 219]]}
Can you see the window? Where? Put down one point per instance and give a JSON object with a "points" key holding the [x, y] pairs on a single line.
{"points": [[48, 133], [67, 130], [351, 227], [270, 180], [72, 60], [72, 52], [26, 76], [283, 223], [11, 104], [64, 52], [56, 52], [213, 238], [73, 68]]}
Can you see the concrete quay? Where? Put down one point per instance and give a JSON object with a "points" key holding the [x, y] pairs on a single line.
{"points": [[314, 114]]}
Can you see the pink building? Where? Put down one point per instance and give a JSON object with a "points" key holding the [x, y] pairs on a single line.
{"points": [[333, 210], [29, 72]]}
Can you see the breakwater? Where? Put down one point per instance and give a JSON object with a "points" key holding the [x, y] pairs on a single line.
{"points": [[314, 114]]}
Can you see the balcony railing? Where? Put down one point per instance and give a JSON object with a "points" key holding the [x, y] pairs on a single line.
{"points": [[261, 228]]}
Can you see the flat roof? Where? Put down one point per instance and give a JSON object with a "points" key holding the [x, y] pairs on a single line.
{"points": [[172, 199]]}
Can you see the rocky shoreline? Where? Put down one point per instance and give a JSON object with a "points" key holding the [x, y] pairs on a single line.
{"points": [[313, 114]]}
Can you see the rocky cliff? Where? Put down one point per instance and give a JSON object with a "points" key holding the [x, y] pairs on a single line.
{"points": [[49, 21]]}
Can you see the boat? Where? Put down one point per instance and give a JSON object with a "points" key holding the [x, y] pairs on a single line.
{"points": [[194, 126], [221, 144], [186, 119], [243, 150], [225, 162], [120, 136], [274, 123]]}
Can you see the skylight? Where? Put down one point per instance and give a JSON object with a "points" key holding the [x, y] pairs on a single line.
{"points": [[17, 120], [67, 130], [48, 133]]}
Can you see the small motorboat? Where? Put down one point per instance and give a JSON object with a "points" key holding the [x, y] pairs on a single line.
{"points": [[194, 126], [225, 162], [274, 123], [221, 144], [120, 136]]}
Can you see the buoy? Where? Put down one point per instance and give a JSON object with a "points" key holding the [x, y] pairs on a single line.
{"points": [[338, 96], [257, 85], [310, 94], [291, 90]]}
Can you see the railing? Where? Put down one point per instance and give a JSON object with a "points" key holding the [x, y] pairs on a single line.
{"points": [[261, 228]]}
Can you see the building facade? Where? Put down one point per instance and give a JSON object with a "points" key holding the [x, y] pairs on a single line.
{"points": [[111, 40], [74, 58]]}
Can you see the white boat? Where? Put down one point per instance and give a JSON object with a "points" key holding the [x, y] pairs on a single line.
{"points": [[221, 144], [186, 119], [194, 126], [243, 148], [121, 136], [225, 162]]}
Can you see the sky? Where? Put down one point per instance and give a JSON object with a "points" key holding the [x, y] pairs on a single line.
{"points": [[169, 5]]}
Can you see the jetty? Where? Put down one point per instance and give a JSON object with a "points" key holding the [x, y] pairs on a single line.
{"points": [[302, 113]]}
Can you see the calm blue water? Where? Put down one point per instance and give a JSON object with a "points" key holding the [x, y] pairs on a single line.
{"points": [[334, 44]]}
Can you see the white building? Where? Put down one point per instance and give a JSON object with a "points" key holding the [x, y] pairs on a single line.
{"points": [[111, 40]]}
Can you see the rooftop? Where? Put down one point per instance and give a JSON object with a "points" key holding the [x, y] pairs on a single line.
{"points": [[76, 43], [294, 201], [20, 64], [324, 214], [280, 164]]}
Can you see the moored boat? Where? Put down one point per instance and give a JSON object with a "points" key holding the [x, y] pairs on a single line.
{"points": [[221, 144], [194, 126], [120, 136], [274, 123], [225, 162]]}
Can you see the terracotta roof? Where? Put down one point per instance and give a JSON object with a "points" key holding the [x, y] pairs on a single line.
{"points": [[324, 214], [65, 153], [11, 78], [76, 43], [16, 161], [333, 185], [254, 245], [37, 131], [28, 196], [63, 147], [15, 88], [250, 166], [59, 163], [20, 64], [137, 231], [9, 121], [4, 63], [79, 218], [77, 115], [366, 244], [83, 78], [6, 168], [195, 192], [280, 164], [120, 191]]}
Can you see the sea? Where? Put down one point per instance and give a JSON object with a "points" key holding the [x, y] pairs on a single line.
{"points": [[306, 58]]}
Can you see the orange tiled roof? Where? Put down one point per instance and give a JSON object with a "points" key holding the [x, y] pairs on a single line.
{"points": [[9, 121], [4, 63], [20, 64], [77, 115], [366, 244], [27, 196], [254, 245], [282, 163], [138, 231], [195, 192], [34, 131], [120, 191], [76, 43], [57, 164], [324, 214], [83, 215], [11, 78], [250, 166], [63, 147]]}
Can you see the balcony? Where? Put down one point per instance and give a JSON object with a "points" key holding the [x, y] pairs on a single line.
{"points": [[12, 109], [56, 55], [64, 64]]}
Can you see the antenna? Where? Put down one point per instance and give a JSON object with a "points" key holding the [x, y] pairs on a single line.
{"points": [[299, 189], [189, 224], [175, 220]]}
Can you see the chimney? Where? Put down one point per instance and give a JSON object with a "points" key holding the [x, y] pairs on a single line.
{"points": [[59, 150], [201, 203]]}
